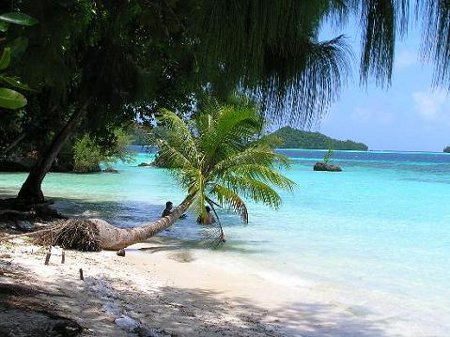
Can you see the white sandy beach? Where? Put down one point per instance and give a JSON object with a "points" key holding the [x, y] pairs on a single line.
{"points": [[165, 290]]}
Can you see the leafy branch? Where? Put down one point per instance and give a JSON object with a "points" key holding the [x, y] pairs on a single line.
{"points": [[10, 98]]}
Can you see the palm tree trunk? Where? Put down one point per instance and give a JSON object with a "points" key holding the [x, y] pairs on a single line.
{"points": [[31, 191], [113, 238]]}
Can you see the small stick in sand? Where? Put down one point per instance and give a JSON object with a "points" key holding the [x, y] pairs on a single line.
{"points": [[47, 257], [81, 274], [63, 257]]}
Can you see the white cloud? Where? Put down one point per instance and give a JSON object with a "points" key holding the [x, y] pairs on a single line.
{"points": [[405, 58], [432, 105], [371, 115]]}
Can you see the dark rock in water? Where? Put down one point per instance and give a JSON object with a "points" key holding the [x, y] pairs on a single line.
{"points": [[110, 170], [92, 169], [321, 166], [145, 164]]}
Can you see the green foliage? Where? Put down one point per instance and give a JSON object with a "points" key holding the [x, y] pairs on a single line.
{"points": [[272, 52], [9, 98], [140, 134], [435, 18], [447, 149], [218, 157], [126, 58], [293, 138], [88, 154], [328, 156], [18, 19]]}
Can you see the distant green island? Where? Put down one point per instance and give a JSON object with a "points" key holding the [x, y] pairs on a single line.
{"points": [[447, 149], [294, 138]]}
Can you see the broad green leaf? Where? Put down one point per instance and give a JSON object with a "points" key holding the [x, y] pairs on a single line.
{"points": [[14, 82], [18, 47], [11, 99], [18, 19], [3, 26], [5, 58]]}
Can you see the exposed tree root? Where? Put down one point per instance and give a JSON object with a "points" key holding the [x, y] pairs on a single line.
{"points": [[13, 210], [79, 234]]}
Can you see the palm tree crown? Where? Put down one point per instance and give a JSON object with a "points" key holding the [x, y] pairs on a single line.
{"points": [[218, 157]]}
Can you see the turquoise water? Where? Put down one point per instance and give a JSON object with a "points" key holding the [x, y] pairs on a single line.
{"points": [[382, 226]]}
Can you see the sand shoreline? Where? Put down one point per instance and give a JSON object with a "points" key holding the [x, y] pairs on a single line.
{"points": [[119, 290], [165, 290]]}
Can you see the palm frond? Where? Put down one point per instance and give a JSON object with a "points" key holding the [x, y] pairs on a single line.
{"points": [[381, 20], [338, 11], [176, 134], [261, 173], [271, 51], [321, 71], [229, 129], [253, 189], [258, 155], [435, 16], [187, 177], [171, 156], [227, 197], [230, 157]]}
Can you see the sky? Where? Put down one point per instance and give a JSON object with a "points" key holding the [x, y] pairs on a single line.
{"points": [[410, 115]]}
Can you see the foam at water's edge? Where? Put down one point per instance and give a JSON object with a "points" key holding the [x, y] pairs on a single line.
{"points": [[380, 230]]}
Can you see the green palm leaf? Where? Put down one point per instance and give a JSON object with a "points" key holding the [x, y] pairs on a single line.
{"points": [[227, 197], [221, 156], [252, 155], [253, 189], [262, 173], [178, 135]]}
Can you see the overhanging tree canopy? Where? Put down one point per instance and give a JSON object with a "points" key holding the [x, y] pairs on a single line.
{"points": [[103, 59]]}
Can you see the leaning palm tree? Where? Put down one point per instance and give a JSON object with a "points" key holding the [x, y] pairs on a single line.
{"points": [[218, 157]]}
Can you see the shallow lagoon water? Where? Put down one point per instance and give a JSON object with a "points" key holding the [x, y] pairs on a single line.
{"points": [[377, 234]]}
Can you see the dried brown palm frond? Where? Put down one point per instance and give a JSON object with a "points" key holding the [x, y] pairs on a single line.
{"points": [[79, 234]]}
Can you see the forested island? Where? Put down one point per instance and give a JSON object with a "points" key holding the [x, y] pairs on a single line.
{"points": [[294, 138]]}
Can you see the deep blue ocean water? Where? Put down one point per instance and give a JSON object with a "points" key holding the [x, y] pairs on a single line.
{"points": [[379, 230]]}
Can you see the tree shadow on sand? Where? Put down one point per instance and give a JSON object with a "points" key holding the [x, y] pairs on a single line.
{"points": [[164, 311]]}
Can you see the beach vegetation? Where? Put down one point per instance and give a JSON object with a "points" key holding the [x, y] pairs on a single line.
{"points": [[9, 97], [328, 156], [88, 154], [218, 157], [167, 55]]}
